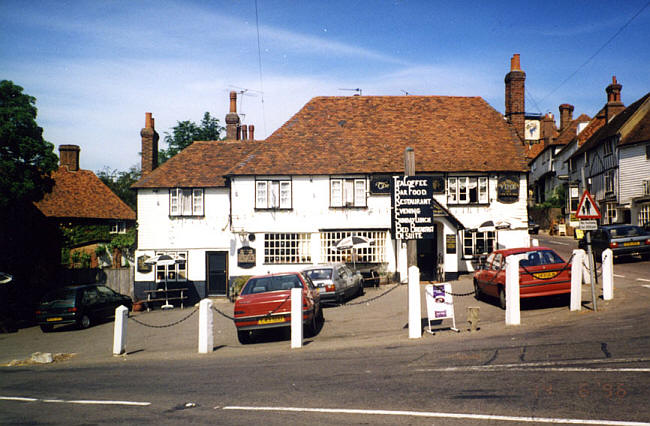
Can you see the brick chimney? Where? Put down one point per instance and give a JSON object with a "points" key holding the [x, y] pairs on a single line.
{"points": [[232, 119], [244, 132], [69, 157], [251, 132], [548, 129], [614, 104], [515, 99], [566, 116], [149, 145]]}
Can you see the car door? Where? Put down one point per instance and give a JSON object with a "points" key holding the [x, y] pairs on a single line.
{"points": [[344, 278], [492, 275], [108, 300], [90, 303]]}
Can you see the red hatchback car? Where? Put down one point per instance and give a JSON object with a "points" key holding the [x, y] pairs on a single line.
{"points": [[265, 302], [542, 273]]}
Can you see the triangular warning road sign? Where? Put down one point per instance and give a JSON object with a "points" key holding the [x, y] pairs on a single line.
{"points": [[587, 208]]}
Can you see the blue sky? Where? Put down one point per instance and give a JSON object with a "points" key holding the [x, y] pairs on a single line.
{"points": [[96, 67]]}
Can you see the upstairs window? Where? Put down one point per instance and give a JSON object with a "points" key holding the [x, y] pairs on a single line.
{"points": [[608, 148], [186, 202], [466, 190], [609, 181], [348, 193], [273, 194]]}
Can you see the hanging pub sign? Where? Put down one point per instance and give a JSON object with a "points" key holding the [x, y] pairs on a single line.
{"points": [[508, 189], [412, 208], [246, 257], [144, 267], [380, 185], [438, 185]]}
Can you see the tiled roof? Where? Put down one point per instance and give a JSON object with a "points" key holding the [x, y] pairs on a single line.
{"points": [[369, 134], [564, 138], [639, 132], [81, 194], [202, 164]]}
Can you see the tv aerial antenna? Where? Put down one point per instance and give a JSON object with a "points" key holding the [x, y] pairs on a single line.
{"points": [[354, 90], [405, 92], [241, 91]]}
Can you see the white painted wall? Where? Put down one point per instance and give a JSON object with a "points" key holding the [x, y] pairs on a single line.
{"points": [[634, 168]]}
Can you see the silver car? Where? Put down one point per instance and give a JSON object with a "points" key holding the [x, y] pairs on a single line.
{"points": [[336, 282]]}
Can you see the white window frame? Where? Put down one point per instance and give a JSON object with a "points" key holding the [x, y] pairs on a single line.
{"points": [[287, 248], [644, 215], [346, 192], [376, 253], [186, 202], [459, 189], [172, 273], [273, 194], [608, 181], [471, 242], [610, 213]]}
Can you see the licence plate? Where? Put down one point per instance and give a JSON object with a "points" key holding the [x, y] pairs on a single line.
{"points": [[53, 319], [542, 275], [271, 320], [632, 243]]}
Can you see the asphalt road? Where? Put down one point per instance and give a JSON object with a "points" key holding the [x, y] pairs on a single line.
{"points": [[557, 367]]}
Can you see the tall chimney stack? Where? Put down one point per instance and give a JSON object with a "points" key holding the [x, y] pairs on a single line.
{"points": [[614, 104], [149, 145], [232, 119], [566, 116], [515, 99], [69, 157]]}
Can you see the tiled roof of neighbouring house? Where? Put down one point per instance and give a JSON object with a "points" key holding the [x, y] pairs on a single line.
{"points": [[369, 134], [81, 194]]}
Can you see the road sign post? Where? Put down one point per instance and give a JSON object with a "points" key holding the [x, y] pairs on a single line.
{"points": [[587, 210]]}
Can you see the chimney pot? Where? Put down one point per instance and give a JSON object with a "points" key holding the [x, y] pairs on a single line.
{"points": [[148, 120], [515, 64], [251, 132], [244, 132], [233, 101]]}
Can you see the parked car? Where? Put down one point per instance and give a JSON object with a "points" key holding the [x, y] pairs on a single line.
{"points": [[82, 305], [265, 302], [623, 240], [542, 273], [533, 227], [335, 281]]}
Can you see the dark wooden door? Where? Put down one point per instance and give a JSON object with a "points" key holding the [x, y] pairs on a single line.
{"points": [[427, 259], [216, 273]]}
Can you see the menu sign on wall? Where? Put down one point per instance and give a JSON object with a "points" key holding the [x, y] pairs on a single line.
{"points": [[412, 202]]}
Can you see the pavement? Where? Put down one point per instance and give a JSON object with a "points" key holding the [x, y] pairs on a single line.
{"points": [[378, 318]]}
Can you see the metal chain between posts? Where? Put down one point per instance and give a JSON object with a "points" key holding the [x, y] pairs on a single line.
{"points": [[222, 313], [166, 325], [441, 287], [372, 299]]}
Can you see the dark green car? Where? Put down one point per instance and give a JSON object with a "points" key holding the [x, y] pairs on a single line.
{"points": [[80, 305]]}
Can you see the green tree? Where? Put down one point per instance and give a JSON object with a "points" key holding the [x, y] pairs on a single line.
{"points": [[26, 159], [186, 132], [120, 183]]}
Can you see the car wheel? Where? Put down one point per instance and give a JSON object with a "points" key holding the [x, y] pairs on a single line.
{"points": [[46, 328], [312, 326], [320, 318], [84, 321], [244, 336], [502, 297], [477, 291], [360, 291]]}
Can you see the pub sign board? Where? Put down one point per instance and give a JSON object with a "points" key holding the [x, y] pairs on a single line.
{"points": [[246, 257], [412, 208], [380, 185], [508, 189]]}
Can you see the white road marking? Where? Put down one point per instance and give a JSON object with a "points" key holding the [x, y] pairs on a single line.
{"points": [[643, 279], [556, 242], [619, 276], [549, 365], [440, 415], [73, 401]]}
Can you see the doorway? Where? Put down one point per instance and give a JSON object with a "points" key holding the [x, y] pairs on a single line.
{"points": [[216, 273], [428, 258]]}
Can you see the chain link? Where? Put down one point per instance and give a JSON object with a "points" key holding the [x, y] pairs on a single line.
{"points": [[372, 299], [166, 325], [441, 287], [223, 314], [566, 266]]}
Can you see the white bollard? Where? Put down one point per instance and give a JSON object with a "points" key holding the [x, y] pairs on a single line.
{"points": [[206, 334], [535, 242], [119, 330], [513, 315], [296, 318], [608, 274], [415, 310], [576, 279]]}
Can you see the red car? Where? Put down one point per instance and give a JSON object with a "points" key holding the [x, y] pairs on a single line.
{"points": [[265, 302], [541, 273]]}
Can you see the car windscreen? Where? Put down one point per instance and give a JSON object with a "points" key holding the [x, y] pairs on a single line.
{"points": [[319, 274], [540, 257], [60, 297], [273, 283]]}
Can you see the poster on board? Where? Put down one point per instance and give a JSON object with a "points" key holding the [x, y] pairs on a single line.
{"points": [[440, 304]]}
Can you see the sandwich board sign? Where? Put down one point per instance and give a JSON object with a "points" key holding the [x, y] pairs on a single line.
{"points": [[440, 304], [587, 207]]}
